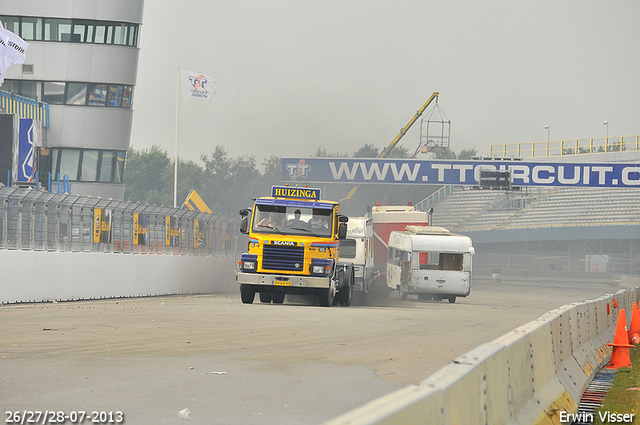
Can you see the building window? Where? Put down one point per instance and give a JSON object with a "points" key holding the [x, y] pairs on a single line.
{"points": [[72, 30], [31, 28], [89, 170], [68, 161], [88, 165], [119, 174], [11, 23], [58, 30], [61, 93], [53, 93], [107, 165], [29, 89], [97, 94], [76, 94]]}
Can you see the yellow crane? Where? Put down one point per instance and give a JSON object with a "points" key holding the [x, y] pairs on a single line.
{"points": [[395, 141]]}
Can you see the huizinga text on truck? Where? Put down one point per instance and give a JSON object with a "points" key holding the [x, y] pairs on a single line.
{"points": [[293, 248]]}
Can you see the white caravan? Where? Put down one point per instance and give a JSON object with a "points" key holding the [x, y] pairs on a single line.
{"points": [[430, 262]]}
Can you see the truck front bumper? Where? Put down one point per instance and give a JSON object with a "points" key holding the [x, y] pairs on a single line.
{"points": [[282, 281]]}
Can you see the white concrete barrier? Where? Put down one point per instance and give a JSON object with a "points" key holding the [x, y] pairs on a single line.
{"points": [[527, 376], [32, 276]]}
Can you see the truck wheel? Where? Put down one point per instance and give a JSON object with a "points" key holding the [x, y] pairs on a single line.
{"points": [[424, 297], [265, 297], [403, 295], [277, 298], [326, 296], [247, 294], [346, 293], [452, 300]]}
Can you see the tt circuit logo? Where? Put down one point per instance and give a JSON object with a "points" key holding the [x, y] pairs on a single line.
{"points": [[199, 82], [299, 170]]}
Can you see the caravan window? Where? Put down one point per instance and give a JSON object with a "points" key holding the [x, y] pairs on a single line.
{"points": [[466, 262], [438, 261], [394, 256]]}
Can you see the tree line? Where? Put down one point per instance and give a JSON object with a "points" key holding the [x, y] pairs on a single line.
{"points": [[229, 184]]}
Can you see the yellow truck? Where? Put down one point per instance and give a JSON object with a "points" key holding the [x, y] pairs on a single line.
{"points": [[293, 248]]}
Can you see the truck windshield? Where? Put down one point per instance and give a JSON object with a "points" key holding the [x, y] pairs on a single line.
{"points": [[286, 220]]}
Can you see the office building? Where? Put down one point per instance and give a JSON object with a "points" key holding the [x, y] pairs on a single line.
{"points": [[83, 62]]}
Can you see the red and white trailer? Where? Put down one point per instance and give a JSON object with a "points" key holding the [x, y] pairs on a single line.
{"points": [[386, 219]]}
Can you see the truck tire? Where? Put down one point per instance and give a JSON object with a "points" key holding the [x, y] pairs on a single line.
{"points": [[247, 294], [452, 300], [326, 296], [277, 298], [346, 293], [265, 297]]}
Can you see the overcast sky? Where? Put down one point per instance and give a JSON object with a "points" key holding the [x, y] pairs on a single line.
{"points": [[295, 76]]}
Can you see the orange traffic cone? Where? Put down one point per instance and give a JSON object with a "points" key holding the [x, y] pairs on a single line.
{"points": [[634, 328], [620, 356]]}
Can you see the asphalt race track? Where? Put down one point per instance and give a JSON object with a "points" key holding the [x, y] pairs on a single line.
{"points": [[230, 363]]}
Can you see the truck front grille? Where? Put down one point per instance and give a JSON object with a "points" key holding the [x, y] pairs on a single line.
{"points": [[281, 257]]}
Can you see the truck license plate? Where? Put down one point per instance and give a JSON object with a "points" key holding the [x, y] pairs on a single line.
{"points": [[282, 282]]}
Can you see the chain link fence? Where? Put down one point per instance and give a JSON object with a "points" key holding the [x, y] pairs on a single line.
{"points": [[36, 220]]}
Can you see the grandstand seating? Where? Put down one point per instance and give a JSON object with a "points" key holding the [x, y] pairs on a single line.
{"points": [[470, 210]]}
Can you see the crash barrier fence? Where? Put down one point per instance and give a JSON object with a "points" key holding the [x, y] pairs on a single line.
{"points": [[565, 147], [36, 220], [534, 374]]}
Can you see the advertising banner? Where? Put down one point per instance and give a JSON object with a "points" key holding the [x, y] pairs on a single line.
{"points": [[140, 229], [29, 140], [97, 224], [143, 229], [107, 220], [171, 231], [455, 172]]}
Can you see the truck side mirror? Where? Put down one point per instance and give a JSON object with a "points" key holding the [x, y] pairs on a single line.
{"points": [[244, 221], [244, 225], [342, 230]]}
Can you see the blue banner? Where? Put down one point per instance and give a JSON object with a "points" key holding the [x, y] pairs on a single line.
{"points": [[27, 159], [454, 172]]}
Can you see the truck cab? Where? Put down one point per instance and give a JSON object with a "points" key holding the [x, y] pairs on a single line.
{"points": [[294, 248], [358, 248]]}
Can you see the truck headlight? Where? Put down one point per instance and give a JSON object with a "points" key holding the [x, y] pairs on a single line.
{"points": [[248, 262], [321, 267]]}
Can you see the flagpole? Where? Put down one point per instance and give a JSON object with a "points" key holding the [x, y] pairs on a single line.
{"points": [[175, 171]]}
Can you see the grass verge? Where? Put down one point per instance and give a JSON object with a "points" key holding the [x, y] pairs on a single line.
{"points": [[624, 395]]}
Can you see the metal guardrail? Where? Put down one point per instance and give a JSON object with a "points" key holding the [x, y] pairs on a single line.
{"points": [[431, 200], [24, 107], [565, 147], [36, 220]]}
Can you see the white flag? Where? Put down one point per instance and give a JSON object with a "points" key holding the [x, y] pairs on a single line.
{"points": [[3, 69], [197, 86], [12, 47]]}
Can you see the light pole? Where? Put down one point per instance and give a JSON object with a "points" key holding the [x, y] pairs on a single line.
{"points": [[607, 124], [548, 129]]}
